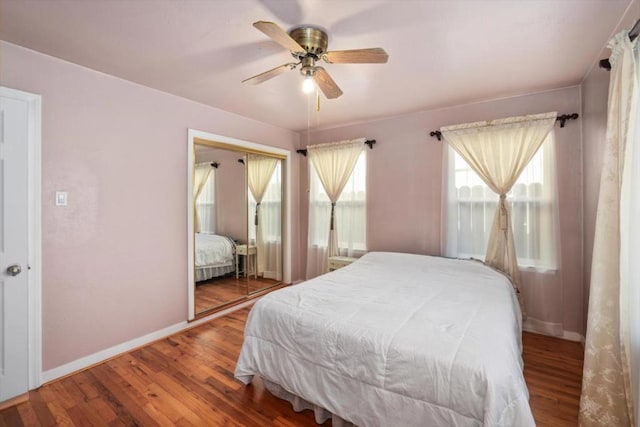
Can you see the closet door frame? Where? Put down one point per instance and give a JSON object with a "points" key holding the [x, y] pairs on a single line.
{"points": [[197, 136]]}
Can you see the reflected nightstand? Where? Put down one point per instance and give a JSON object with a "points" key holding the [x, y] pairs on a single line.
{"points": [[250, 254]]}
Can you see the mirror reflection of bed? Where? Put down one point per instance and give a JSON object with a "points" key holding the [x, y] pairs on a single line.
{"points": [[238, 217]]}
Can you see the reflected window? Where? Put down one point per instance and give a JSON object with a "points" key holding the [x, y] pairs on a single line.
{"points": [[271, 213], [206, 204]]}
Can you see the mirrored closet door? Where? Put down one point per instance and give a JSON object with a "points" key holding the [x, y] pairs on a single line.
{"points": [[237, 204]]}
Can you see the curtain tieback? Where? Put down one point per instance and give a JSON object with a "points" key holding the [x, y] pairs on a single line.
{"points": [[333, 206], [256, 216], [503, 212]]}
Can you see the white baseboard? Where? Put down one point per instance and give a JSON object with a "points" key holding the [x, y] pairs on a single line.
{"points": [[573, 336], [101, 356], [550, 329]]}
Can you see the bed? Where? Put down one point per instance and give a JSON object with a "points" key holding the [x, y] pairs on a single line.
{"points": [[215, 256], [394, 339]]}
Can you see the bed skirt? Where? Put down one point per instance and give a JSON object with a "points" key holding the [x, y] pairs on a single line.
{"points": [[205, 273], [321, 415]]}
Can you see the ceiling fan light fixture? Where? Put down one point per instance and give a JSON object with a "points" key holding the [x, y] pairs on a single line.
{"points": [[308, 85]]}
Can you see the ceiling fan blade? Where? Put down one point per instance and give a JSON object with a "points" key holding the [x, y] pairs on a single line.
{"points": [[326, 83], [262, 77], [278, 35], [375, 55]]}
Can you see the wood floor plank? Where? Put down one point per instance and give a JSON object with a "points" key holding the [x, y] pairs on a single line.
{"points": [[187, 380], [40, 408], [29, 416], [12, 417], [120, 396]]}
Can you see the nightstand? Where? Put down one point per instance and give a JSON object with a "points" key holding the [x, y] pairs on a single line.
{"points": [[336, 262], [250, 254]]}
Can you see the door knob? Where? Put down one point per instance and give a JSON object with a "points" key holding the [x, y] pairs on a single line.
{"points": [[14, 270]]}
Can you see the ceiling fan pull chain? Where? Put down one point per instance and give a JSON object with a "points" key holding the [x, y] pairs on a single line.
{"points": [[317, 100]]}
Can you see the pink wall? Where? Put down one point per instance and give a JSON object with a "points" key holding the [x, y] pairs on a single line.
{"points": [[115, 259], [405, 179], [231, 193], [595, 93]]}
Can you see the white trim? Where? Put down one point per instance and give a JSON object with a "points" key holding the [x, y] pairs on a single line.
{"points": [[550, 329], [542, 327], [116, 350], [573, 336], [286, 238], [190, 227], [34, 184]]}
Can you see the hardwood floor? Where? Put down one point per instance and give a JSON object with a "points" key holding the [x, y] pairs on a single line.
{"points": [[187, 380], [553, 371]]}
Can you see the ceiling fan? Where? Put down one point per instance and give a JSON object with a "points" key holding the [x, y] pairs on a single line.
{"points": [[308, 44]]}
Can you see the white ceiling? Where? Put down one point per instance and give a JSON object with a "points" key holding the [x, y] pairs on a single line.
{"points": [[441, 53]]}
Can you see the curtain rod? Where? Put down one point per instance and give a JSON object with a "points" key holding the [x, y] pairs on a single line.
{"points": [[215, 165], [633, 34], [368, 142], [562, 119]]}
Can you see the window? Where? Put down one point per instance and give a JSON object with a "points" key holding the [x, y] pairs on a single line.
{"points": [[350, 211], [471, 206], [206, 205]]}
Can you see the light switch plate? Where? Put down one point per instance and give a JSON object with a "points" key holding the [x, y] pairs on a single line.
{"points": [[61, 198]]}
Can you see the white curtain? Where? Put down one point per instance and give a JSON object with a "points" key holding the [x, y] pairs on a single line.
{"points": [[259, 171], [498, 151], [270, 225], [200, 175], [469, 207], [612, 347], [331, 165]]}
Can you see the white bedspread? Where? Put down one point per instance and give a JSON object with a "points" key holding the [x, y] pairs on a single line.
{"points": [[213, 250], [396, 340]]}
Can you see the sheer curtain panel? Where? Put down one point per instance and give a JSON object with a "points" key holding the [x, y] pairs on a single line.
{"points": [[200, 175], [610, 379], [333, 165], [260, 170], [469, 207], [498, 151], [270, 225]]}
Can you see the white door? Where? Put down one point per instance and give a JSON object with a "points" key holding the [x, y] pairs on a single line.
{"points": [[14, 250]]}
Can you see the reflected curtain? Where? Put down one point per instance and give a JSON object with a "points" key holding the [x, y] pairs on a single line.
{"points": [[259, 171], [612, 340], [270, 225], [498, 151], [200, 175], [333, 164]]}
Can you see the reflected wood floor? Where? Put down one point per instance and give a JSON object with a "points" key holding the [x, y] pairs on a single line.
{"points": [[187, 380], [221, 290]]}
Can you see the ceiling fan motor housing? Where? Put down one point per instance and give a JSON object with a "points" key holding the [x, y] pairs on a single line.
{"points": [[312, 39]]}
